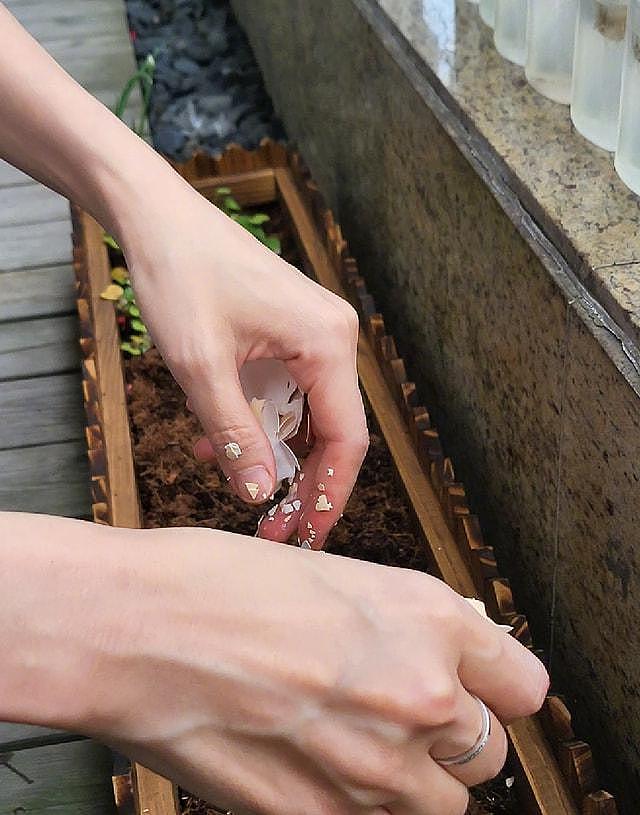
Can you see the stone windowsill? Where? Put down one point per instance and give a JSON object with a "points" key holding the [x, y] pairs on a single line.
{"points": [[568, 185]]}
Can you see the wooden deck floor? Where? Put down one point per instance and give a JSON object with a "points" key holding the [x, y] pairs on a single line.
{"points": [[42, 450]]}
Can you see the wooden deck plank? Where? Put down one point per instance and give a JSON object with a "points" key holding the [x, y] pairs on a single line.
{"points": [[23, 245], [53, 479], [38, 347], [48, 21], [44, 410], [98, 62], [82, 781], [11, 732], [31, 204], [28, 293], [11, 175]]}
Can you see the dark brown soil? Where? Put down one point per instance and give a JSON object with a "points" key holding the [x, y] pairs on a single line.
{"points": [[176, 490]]}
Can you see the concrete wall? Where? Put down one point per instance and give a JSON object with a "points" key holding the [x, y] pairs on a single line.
{"points": [[535, 400]]}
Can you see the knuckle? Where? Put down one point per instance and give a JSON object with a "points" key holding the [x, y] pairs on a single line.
{"points": [[439, 702], [244, 435], [537, 690], [360, 442], [351, 317], [343, 319], [194, 363]]}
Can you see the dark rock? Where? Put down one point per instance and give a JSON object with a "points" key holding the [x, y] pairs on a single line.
{"points": [[214, 103], [208, 90], [168, 139], [186, 66]]}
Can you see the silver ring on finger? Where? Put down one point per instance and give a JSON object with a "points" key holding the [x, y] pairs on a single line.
{"points": [[479, 744]]}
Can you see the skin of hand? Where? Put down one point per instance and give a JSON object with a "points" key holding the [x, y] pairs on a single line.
{"points": [[168, 645], [212, 296], [244, 303]]}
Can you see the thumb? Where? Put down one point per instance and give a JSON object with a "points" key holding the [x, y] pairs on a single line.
{"points": [[235, 435]]}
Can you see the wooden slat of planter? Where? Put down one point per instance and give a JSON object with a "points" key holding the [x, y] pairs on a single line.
{"points": [[531, 749], [156, 795], [125, 510], [250, 189], [447, 557], [539, 770]]}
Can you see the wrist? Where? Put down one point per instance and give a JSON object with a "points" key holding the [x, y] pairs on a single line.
{"points": [[67, 603]]}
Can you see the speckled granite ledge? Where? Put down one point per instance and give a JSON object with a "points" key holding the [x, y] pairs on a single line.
{"points": [[567, 184], [527, 364]]}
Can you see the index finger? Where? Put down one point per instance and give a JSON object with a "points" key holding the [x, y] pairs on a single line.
{"points": [[340, 427], [494, 666]]}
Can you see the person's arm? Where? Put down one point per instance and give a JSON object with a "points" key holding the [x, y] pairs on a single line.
{"points": [[265, 678], [212, 296]]}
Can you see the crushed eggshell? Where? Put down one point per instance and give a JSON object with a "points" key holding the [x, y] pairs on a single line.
{"points": [[323, 504], [277, 402], [479, 606], [232, 450]]}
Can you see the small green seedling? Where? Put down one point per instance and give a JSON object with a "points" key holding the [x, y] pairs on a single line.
{"points": [[143, 78], [252, 223]]}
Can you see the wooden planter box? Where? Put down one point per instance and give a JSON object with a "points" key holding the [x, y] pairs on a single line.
{"points": [[554, 771]]}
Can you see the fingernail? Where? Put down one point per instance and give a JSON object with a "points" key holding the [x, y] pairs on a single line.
{"points": [[202, 450], [253, 484]]}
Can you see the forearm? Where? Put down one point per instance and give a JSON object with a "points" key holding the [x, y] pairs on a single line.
{"points": [[54, 130], [55, 577]]}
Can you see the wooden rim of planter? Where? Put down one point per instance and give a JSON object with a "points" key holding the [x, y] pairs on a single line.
{"points": [[555, 772]]}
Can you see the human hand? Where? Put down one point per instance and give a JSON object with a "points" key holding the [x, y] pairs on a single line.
{"points": [[214, 298], [269, 680]]}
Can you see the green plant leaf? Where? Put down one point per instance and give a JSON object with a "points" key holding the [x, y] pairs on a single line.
{"points": [[273, 243], [138, 325], [112, 292], [110, 241], [128, 294], [231, 204], [126, 346], [223, 191], [120, 275], [259, 218], [133, 311], [243, 220]]}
